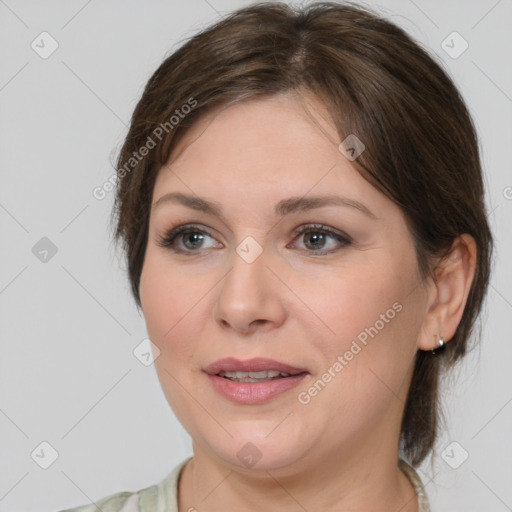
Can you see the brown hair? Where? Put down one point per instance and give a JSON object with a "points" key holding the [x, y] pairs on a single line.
{"points": [[421, 145]]}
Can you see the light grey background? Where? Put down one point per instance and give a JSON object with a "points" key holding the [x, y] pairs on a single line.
{"points": [[68, 326]]}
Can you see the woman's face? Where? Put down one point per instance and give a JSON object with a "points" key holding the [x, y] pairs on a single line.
{"points": [[274, 271]]}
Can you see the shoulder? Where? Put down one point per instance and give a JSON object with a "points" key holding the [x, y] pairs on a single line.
{"points": [[119, 502], [160, 497]]}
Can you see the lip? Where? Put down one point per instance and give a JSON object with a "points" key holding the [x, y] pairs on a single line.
{"points": [[257, 364], [253, 393]]}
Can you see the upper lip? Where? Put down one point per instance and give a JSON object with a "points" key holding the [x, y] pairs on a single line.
{"points": [[258, 364]]}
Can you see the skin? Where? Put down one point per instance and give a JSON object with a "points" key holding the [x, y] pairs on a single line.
{"points": [[340, 450]]}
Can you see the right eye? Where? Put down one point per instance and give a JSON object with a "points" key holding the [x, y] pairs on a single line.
{"points": [[184, 239]]}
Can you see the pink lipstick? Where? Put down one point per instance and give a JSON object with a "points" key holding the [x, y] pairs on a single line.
{"points": [[253, 381]]}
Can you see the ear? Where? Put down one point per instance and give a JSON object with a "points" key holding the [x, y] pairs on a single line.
{"points": [[448, 292]]}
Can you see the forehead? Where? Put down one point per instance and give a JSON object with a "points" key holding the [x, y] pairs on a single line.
{"points": [[269, 148], [284, 120]]}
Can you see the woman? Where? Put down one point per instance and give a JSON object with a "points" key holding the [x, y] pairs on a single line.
{"points": [[301, 206]]}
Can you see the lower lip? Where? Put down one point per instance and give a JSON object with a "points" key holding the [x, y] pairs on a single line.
{"points": [[254, 392]]}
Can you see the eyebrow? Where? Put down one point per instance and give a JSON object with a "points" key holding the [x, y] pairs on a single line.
{"points": [[282, 208]]}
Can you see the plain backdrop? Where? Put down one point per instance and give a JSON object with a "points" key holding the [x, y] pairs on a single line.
{"points": [[68, 324]]}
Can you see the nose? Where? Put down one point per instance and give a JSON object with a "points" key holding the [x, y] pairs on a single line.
{"points": [[249, 296]]}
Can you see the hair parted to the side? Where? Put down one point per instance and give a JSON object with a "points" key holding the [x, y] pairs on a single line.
{"points": [[421, 144]]}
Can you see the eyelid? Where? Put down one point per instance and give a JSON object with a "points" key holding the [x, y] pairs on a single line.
{"points": [[323, 228]]}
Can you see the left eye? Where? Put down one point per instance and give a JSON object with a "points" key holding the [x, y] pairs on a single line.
{"points": [[315, 238]]}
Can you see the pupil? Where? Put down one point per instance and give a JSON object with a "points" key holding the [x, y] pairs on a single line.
{"points": [[319, 238], [197, 236]]}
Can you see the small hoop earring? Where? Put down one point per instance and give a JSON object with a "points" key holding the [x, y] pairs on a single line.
{"points": [[440, 345]]}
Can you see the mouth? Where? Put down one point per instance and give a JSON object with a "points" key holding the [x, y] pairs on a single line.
{"points": [[252, 370], [254, 381], [263, 376]]}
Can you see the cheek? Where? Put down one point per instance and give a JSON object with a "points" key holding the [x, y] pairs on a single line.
{"points": [[348, 300], [166, 300], [371, 317], [168, 305], [155, 302]]}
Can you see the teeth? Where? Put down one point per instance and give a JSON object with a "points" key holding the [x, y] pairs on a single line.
{"points": [[253, 376]]}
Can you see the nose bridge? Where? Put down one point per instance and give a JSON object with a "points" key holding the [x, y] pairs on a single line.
{"points": [[248, 291], [247, 280]]}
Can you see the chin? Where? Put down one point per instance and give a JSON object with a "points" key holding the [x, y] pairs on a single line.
{"points": [[251, 450]]}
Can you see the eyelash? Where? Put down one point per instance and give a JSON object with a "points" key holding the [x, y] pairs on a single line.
{"points": [[168, 239]]}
